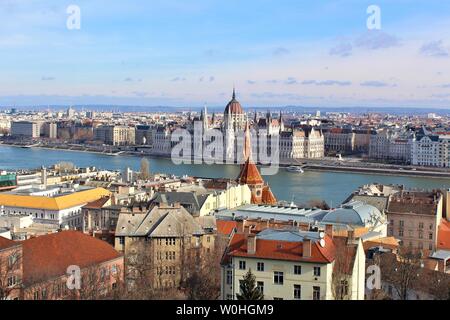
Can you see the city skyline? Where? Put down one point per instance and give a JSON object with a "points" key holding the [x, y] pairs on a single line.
{"points": [[170, 53]]}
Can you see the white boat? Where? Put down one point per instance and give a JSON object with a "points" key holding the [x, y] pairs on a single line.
{"points": [[295, 169]]}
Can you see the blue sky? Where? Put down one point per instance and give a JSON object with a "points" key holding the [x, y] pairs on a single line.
{"points": [[187, 53]]}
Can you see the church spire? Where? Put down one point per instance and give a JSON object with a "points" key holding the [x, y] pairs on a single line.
{"points": [[234, 93]]}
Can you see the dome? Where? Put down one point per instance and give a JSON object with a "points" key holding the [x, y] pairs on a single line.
{"points": [[353, 213], [234, 107]]}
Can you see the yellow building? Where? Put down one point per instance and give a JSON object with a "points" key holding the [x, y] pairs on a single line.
{"points": [[62, 209]]}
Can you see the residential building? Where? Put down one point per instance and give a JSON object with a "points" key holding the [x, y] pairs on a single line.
{"points": [[291, 264], [431, 150], [339, 140], [46, 260], [392, 146], [161, 240], [11, 271], [201, 201], [414, 218], [26, 129], [115, 135]]}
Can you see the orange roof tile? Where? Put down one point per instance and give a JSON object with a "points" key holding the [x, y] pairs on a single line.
{"points": [[444, 235], [387, 242], [281, 250], [225, 227], [48, 256], [7, 243], [267, 196], [97, 204], [250, 174]]}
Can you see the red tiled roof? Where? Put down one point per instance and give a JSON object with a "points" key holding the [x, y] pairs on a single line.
{"points": [[48, 256], [97, 204], [225, 227], [250, 174], [267, 196], [6, 243], [444, 235], [281, 250]]}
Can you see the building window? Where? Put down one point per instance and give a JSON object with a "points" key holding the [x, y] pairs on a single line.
{"points": [[12, 260], [401, 223], [260, 286], [12, 281], [242, 265], [278, 277], [317, 271], [430, 236], [344, 288], [297, 269], [420, 235], [122, 240], [316, 293], [400, 232], [420, 225], [297, 291], [260, 266], [229, 277]]}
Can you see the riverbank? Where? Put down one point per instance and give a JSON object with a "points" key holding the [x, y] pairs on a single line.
{"points": [[386, 172], [308, 165], [330, 185]]}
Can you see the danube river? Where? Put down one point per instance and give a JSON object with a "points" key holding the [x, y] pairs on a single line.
{"points": [[330, 186]]}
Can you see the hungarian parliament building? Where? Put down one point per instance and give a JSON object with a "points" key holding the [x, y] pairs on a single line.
{"points": [[268, 135]]}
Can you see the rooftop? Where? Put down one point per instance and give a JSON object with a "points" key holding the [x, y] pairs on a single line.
{"points": [[58, 202], [48, 256]]}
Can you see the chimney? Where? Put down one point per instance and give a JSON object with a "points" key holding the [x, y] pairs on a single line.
{"points": [[306, 248], [329, 230], [251, 244], [350, 236]]}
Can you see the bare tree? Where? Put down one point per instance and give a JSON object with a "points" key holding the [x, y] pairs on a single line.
{"points": [[401, 272], [145, 169], [202, 280], [65, 166], [342, 268], [10, 280]]}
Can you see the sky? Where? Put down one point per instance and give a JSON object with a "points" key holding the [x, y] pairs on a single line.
{"points": [[191, 53]]}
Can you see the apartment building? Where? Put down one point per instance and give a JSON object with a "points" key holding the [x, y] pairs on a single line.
{"points": [[115, 135], [201, 201], [161, 240], [391, 145], [10, 269], [432, 151], [414, 218], [301, 143], [290, 264], [27, 129], [339, 140]]}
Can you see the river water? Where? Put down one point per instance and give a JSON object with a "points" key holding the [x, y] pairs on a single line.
{"points": [[332, 187]]}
